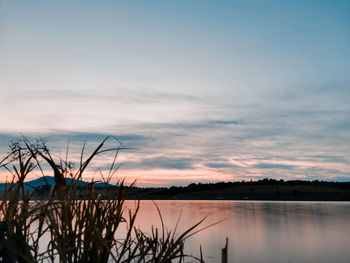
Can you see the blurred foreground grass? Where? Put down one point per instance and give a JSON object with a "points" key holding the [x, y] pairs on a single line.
{"points": [[79, 224]]}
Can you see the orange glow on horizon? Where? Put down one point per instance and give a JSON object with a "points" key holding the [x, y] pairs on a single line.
{"points": [[150, 177], [167, 177]]}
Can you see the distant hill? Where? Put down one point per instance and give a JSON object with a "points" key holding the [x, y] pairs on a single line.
{"points": [[48, 181]]}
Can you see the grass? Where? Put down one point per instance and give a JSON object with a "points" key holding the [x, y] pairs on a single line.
{"points": [[81, 225]]}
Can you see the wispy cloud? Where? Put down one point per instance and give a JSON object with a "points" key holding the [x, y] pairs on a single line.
{"points": [[161, 162], [273, 166]]}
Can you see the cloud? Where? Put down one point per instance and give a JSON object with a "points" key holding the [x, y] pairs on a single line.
{"points": [[225, 122], [344, 125], [161, 162], [273, 166], [263, 142], [129, 140], [220, 165], [331, 158]]}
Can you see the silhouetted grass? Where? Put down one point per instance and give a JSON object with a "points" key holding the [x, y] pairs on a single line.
{"points": [[80, 224]]}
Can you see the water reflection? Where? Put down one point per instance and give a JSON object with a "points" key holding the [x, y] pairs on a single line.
{"points": [[260, 231]]}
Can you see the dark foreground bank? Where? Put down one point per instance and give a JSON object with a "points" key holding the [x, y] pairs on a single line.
{"points": [[266, 189]]}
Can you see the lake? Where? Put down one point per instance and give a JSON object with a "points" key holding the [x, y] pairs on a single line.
{"points": [[259, 231]]}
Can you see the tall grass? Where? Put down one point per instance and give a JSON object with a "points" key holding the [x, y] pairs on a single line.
{"points": [[80, 223]]}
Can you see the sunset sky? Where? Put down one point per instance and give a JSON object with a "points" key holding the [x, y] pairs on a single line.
{"points": [[201, 90]]}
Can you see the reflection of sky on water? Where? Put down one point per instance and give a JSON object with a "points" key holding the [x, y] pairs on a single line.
{"points": [[261, 231]]}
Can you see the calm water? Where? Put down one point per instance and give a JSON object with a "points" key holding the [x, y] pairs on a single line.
{"points": [[260, 232]]}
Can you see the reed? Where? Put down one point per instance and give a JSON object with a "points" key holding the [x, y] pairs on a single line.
{"points": [[81, 224], [224, 256]]}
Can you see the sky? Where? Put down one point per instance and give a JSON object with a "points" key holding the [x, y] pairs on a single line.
{"points": [[202, 91]]}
